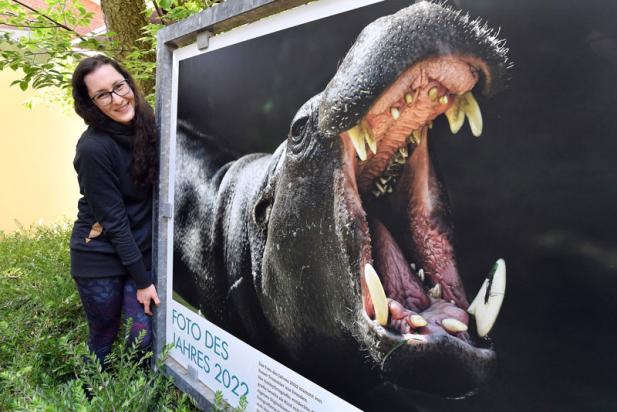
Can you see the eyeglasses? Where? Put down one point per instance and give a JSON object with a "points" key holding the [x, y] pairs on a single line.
{"points": [[105, 98]]}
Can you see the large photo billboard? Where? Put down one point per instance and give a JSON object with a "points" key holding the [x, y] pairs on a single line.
{"points": [[349, 182]]}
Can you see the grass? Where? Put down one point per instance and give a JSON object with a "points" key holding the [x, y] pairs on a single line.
{"points": [[43, 335]]}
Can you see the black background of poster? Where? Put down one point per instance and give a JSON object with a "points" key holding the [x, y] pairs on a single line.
{"points": [[539, 188]]}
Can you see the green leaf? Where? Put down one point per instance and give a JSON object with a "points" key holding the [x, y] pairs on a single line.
{"points": [[165, 4]]}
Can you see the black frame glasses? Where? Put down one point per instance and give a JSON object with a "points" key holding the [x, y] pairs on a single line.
{"points": [[122, 88]]}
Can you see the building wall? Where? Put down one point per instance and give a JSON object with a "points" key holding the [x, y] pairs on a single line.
{"points": [[37, 179]]}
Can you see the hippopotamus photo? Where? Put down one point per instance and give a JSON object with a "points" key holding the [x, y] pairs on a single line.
{"points": [[335, 253]]}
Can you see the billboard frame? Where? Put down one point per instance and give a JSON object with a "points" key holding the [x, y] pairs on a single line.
{"points": [[195, 29]]}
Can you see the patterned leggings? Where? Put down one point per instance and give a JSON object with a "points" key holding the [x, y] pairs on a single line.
{"points": [[105, 300]]}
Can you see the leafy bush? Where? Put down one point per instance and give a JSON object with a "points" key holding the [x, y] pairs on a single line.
{"points": [[43, 333], [49, 53]]}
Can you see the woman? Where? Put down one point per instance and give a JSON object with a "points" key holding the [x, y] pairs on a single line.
{"points": [[116, 164]]}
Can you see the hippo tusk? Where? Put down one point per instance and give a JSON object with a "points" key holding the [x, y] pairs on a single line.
{"points": [[377, 294], [487, 303]]}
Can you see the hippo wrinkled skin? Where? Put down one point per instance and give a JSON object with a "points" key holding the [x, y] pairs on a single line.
{"points": [[334, 254]]}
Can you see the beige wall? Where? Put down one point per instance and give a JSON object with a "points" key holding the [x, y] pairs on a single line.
{"points": [[37, 179]]}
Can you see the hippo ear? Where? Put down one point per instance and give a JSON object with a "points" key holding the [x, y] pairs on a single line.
{"points": [[263, 205], [261, 211]]}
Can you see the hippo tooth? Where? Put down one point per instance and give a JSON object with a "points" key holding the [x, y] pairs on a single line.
{"points": [[395, 113], [472, 109], [372, 143], [432, 93], [377, 294], [413, 266], [417, 137], [453, 325], [408, 98], [356, 134], [421, 274], [435, 292], [403, 151], [418, 321], [376, 193], [455, 116], [443, 99], [487, 303]]}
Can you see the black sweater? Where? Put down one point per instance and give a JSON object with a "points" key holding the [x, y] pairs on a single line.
{"points": [[121, 243]]}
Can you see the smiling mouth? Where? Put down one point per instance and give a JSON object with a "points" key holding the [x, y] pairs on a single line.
{"points": [[411, 289]]}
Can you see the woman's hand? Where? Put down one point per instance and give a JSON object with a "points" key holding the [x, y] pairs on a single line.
{"points": [[145, 295]]}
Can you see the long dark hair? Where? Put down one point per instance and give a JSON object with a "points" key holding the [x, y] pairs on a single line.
{"points": [[145, 159]]}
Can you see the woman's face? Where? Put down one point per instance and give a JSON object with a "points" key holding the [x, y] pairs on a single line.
{"points": [[102, 81]]}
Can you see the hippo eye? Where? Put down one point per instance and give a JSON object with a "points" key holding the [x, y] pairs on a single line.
{"points": [[298, 125], [296, 140]]}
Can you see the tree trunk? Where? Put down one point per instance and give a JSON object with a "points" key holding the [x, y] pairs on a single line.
{"points": [[127, 18]]}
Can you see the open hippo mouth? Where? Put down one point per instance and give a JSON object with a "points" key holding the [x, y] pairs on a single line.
{"points": [[390, 173], [413, 299], [409, 242], [411, 289]]}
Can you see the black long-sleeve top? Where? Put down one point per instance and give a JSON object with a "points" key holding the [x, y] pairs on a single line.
{"points": [[112, 235]]}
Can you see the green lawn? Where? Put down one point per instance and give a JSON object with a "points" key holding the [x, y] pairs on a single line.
{"points": [[43, 333]]}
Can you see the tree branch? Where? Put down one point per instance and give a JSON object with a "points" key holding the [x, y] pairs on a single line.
{"points": [[159, 11], [58, 24], [27, 26]]}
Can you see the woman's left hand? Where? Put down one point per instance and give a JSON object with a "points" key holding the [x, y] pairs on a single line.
{"points": [[145, 295]]}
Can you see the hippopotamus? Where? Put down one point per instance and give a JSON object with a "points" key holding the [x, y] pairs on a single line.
{"points": [[334, 254]]}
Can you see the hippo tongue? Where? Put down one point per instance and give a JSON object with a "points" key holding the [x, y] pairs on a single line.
{"points": [[428, 237], [398, 280]]}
